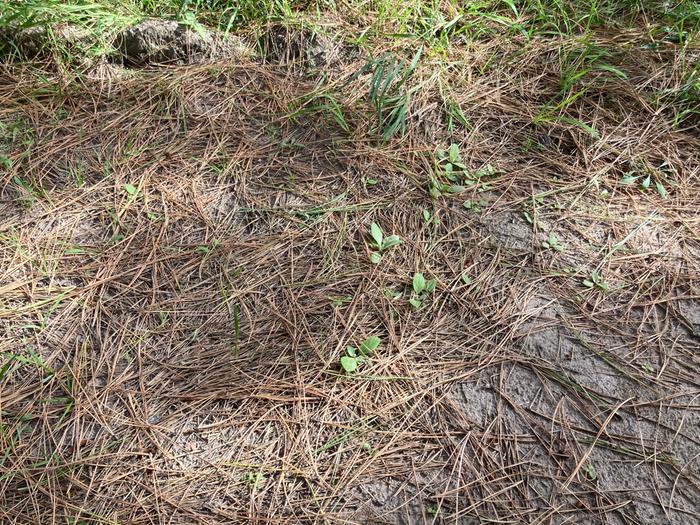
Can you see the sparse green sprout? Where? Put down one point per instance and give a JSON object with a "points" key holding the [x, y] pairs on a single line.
{"points": [[649, 369], [369, 181], [354, 357], [551, 243], [466, 279], [254, 480], [339, 300], [422, 287], [475, 206], [590, 472], [596, 281], [5, 162], [131, 190], [429, 218], [432, 510], [532, 221], [379, 244], [204, 249]]}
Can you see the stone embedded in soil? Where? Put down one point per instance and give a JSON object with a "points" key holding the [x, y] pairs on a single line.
{"points": [[36, 41], [169, 42]]}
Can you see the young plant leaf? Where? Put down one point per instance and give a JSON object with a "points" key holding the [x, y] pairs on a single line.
{"points": [[348, 363], [661, 190], [418, 283], [454, 153], [375, 257], [130, 189], [369, 345], [377, 234], [415, 303], [390, 242]]}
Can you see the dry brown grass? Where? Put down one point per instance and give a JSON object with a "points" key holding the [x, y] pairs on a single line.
{"points": [[128, 396]]}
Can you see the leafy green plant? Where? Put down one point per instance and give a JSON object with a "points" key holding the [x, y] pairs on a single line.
{"points": [[551, 243], [596, 281], [354, 357], [452, 175], [648, 177], [421, 287], [386, 93], [379, 244]]}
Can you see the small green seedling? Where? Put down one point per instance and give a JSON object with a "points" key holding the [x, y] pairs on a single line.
{"points": [[354, 357], [466, 278], [432, 510], [452, 175], [421, 289], [254, 480], [429, 218], [552, 244], [649, 369], [132, 190], [590, 472], [369, 181], [475, 206], [596, 281], [29, 192], [647, 179], [5, 162], [204, 249], [339, 300], [379, 244]]}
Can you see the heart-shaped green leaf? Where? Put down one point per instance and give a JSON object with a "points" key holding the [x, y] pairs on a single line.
{"points": [[348, 363]]}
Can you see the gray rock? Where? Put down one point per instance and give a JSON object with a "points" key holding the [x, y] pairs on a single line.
{"points": [[37, 41], [169, 42]]}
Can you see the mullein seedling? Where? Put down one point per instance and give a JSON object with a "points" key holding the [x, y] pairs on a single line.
{"points": [[379, 244], [449, 172], [421, 289], [551, 243], [452, 175], [596, 281], [354, 357]]}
